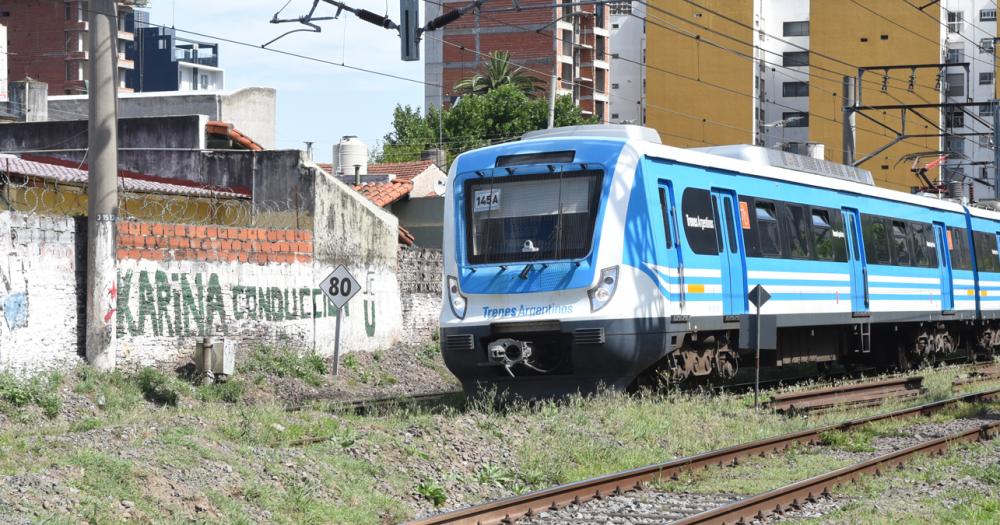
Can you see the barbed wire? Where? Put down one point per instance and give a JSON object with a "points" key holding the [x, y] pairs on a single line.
{"points": [[33, 195]]}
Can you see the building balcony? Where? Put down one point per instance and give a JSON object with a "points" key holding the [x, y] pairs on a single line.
{"points": [[77, 86], [596, 64], [597, 95], [126, 36], [595, 31], [73, 25], [580, 79], [77, 55], [124, 63]]}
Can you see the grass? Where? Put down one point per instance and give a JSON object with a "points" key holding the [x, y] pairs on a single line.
{"points": [[41, 391], [256, 462]]}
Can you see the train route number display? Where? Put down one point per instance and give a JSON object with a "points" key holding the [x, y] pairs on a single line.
{"points": [[340, 286]]}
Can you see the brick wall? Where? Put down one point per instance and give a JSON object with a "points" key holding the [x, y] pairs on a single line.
{"points": [[158, 242], [420, 273]]}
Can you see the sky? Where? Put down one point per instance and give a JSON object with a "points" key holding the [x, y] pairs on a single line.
{"points": [[316, 102]]}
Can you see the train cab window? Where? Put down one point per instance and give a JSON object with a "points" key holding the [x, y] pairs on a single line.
{"points": [[697, 207], [822, 235], [798, 229], [987, 258], [958, 247], [665, 209], [767, 225], [876, 239], [901, 244]]}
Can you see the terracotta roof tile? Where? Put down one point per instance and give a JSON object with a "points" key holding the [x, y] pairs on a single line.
{"points": [[402, 170], [405, 237], [225, 129], [385, 193]]}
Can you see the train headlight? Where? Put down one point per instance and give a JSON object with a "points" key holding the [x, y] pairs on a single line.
{"points": [[456, 299], [601, 294]]}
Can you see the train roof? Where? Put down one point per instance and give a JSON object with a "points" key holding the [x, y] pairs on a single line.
{"points": [[747, 159]]}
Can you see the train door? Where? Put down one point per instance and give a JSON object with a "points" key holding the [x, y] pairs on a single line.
{"points": [[856, 261], [944, 265], [671, 242], [729, 235]]}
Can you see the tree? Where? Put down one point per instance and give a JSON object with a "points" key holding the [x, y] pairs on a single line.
{"points": [[500, 115], [498, 72]]}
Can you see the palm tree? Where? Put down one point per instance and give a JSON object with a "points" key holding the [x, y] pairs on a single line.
{"points": [[499, 71]]}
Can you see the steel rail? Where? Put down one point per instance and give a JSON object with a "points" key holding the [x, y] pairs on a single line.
{"points": [[871, 392], [792, 496], [365, 405], [509, 509]]}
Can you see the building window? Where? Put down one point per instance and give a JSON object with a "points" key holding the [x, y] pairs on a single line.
{"points": [[954, 145], [69, 11], [986, 78], [600, 46], [987, 15], [954, 118], [614, 85], [955, 21], [987, 45], [956, 84], [955, 56], [599, 81], [621, 7], [567, 76], [795, 119], [986, 110], [984, 140], [795, 89], [70, 70], [796, 28], [795, 58], [204, 82], [567, 40], [614, 115]]}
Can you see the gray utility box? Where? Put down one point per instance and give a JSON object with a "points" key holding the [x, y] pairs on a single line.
{"points": [[768, 332], [216, 355]]}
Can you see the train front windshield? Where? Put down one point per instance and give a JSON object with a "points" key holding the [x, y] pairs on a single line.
{"points": [[525, 218]]}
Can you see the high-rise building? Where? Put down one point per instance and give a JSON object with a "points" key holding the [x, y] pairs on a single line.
{"points": [[628, 76], [167, 62], [571, 41], [48, 41], [771, 72]]}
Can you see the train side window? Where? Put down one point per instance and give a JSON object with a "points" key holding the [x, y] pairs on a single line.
{"points": [[901, 244], [838, 234], [697, 207], [923, 245], [665, 212], [958, 245], [987, 259], [798, 240], [930, 246], [767, 224], [822, 234], [876, 239]]}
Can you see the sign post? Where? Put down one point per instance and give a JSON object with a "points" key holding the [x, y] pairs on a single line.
{"points": [[758, 296], [339, 287]]}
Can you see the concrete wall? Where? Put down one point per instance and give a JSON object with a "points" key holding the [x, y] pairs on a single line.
{"points": [[250, 110], [39, 284], [351, 231], [70, 134], [424, 218], [27, 100]]}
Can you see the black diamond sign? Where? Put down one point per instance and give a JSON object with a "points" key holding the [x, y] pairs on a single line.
{"points": [[758, 296]]}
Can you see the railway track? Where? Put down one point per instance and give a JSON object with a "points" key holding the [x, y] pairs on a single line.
{"points": [[533, 504], [978, 375], [375, 404], [852, 394]]}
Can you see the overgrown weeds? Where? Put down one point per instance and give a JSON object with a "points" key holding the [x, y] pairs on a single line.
{"points": [[16, 393], [286, 362]]}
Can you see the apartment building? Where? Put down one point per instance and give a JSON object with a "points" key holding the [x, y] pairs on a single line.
{"points": [[970, 37], [167, 62], [570, 41], [48, 41], [628, 54], [771, 72]]}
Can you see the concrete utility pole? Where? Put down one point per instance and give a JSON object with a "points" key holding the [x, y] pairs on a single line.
{"points": [[102, 185], [848, 135], [996, 148]]}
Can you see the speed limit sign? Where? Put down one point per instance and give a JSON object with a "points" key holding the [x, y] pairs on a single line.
{"points": [[340, 286]]}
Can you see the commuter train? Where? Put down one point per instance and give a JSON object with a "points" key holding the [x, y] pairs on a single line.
{"points": [[595, 255]]}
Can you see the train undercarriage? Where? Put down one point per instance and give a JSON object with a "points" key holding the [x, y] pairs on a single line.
{"points": [[902, 346]]}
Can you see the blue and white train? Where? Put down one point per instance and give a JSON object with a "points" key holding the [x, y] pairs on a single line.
{"points": [[595, 255]]}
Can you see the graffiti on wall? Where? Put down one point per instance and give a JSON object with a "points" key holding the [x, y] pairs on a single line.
{"points": [[181, 304]]}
